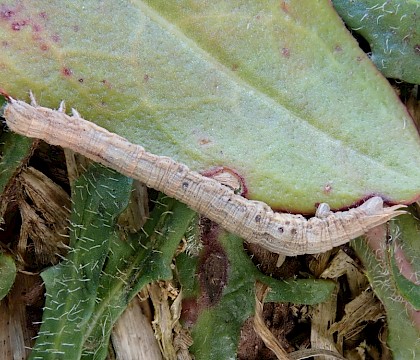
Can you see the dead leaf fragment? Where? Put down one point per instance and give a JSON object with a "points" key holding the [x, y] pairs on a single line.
{"points": [[44, 208], [364, 308], [259, 325], [132, 335]]}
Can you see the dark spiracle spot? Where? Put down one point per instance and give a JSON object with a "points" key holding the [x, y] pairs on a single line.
{"points": [[258, 218], [293, 231], [280, 229], [185, 185]]}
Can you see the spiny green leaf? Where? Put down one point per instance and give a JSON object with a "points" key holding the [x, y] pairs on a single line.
{"points": [[399, 295], [404, 254], [7, 274], [405, 231], [15, 149], [71, 286], [278, 91], [89, 289], [300, 291], [132, 264], [392, 29], [408, 290]]}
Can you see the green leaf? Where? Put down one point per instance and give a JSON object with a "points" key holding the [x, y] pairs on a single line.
{"points": [[8, 274], [406, 233], [99, 196], [278, 91], [392, 30], [217, 328], [408, 290], [384, 259], [92, 286], [15, 150], [133, 263], [300, 291], [404, 255]]}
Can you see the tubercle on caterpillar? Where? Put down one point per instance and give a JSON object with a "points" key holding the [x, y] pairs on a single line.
{"points": [[254, 221]]}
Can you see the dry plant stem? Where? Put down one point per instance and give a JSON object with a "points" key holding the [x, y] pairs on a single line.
{"points": [[254, 221], [259, 325], [270, 340]]}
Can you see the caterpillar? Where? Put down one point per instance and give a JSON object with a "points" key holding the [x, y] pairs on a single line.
{"points": [[254, 221]]}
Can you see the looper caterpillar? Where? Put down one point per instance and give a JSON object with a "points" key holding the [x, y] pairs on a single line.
{"points": [[254, 221]]}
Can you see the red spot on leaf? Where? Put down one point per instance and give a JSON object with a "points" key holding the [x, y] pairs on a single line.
{"points": [[106, 83], [190, 311], [44, 47], [284, 6], [7, 14], [213, 277], [213, 266], [228, 177], [36, 28], [56, 38], [285, 52], [204, 141], [16, 26], [66, 71], [43, 15], [327, 188], [212, 273]]}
